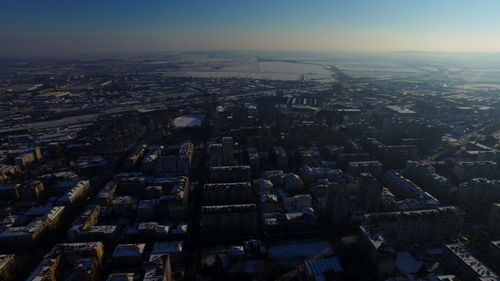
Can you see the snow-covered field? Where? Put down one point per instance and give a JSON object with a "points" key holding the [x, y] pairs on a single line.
{"points": [[188, 121], [227, 66], [271, 70], [475, 72]]}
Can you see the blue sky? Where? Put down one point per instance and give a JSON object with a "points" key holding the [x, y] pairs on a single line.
{"points": [[73, 26]]}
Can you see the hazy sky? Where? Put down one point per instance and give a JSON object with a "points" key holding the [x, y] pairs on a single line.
{"points": [[52, 27]]}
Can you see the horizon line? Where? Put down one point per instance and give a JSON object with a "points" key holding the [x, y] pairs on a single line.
{"points": [[165, 52]]}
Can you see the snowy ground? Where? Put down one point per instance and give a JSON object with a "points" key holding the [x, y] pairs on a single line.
{"points": [[188, 121], [407, 263]]}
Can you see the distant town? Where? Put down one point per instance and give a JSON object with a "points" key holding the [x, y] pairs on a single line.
{"points": [[232, 166]]}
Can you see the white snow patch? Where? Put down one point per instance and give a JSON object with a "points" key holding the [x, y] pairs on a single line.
{"points": [[407, 263], [188, 121]]}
